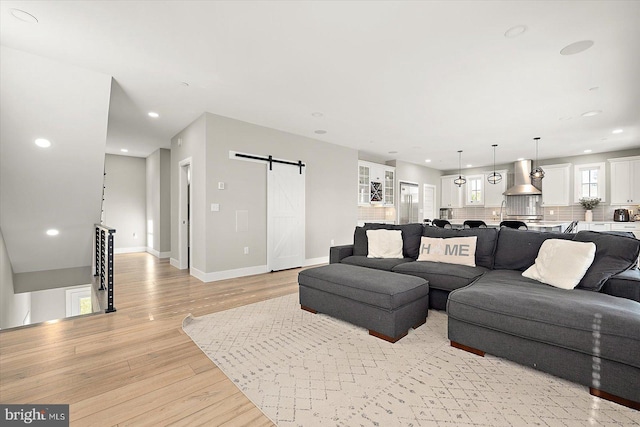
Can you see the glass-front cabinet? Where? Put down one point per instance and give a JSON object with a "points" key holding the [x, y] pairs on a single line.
{"points": [[364, 197], [376, 184]]}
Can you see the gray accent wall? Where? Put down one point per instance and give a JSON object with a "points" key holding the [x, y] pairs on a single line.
{"points": [[331, 181], [125, 201], [14, 308], [410, 172], [158, 182]]}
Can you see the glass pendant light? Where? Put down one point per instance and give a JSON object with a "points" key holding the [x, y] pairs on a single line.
{"points": [[537, 173], [459, 181], [495, 177]]}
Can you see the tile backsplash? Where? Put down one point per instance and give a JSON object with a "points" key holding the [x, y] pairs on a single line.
{"points": [[376, 213], [560, 213]]}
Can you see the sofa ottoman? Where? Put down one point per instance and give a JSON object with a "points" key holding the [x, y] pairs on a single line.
{"points": [[387, 304]]}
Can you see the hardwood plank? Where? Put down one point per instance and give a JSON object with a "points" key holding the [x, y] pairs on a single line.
{"points": [[137, 364]]}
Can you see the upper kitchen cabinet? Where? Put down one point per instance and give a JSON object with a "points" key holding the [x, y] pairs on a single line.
{"points": [[376, 183], [493, 193], [556, 185], [625, 180], [451, 195]]}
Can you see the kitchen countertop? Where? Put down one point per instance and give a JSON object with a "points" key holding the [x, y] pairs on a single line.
{"points": [[561, 225]]}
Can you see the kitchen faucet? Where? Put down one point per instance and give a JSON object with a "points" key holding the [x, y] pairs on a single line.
{"points": [[503, 204]]}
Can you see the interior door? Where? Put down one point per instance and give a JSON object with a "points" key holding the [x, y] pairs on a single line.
{"points": [[429, 202], [285, 217]]}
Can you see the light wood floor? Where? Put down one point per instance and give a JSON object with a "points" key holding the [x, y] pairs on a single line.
{"points": [[136, 366]]}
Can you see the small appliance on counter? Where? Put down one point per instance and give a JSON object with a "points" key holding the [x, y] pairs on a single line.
{"points": [[446, 213], [621, 215]]}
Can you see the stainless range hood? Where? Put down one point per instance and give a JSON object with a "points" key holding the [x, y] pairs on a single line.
{"points": [[522, 182]]}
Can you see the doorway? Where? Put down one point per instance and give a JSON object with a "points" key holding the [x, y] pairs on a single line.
{"points": [[184, 214]]}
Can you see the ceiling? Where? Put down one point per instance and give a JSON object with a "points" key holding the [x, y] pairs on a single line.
{"points": [[399, 80]]}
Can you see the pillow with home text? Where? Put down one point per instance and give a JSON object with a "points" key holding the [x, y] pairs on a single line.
{"points": [[454, 250]]}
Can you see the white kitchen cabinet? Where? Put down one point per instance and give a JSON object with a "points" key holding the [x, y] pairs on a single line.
{"points": [[376, 183], [633, 227], [450, 193], [493, 196], [556, 185], [625, 181], [599, 226], [474, 190]]}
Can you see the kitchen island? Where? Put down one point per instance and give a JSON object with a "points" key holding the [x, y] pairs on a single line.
{"points": [[558, 226]]}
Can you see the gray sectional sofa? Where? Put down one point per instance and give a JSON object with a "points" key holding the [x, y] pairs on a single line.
{"points": [[589, 335]]}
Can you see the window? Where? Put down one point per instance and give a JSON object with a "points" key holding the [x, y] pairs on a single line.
{"points": [[474, 186], [589, 181]]}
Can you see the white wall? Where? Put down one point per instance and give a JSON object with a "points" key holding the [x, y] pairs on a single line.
{"points": [[14, 308], [158, 182], [410, 172], [331, 180], [49, 304], [125, 202]]}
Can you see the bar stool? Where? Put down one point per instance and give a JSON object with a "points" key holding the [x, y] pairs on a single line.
{"points": [[471, 223]]}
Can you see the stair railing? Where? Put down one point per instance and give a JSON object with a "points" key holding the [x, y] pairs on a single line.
{"points": [[104, 261]]}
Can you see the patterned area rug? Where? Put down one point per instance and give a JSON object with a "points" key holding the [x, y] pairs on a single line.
{"points": [[303, 369]]}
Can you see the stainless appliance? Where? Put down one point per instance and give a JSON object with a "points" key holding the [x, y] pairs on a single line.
{"points": [[621, 215], [524, 200], [409, 203], [446, 213]]}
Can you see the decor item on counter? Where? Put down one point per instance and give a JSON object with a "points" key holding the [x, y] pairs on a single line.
{"points": [[589, 203], [495, 177], [536, 173], [459, 181]]}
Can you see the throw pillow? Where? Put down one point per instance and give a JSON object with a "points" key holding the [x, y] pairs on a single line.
{"points": [[614, 254], [384, 243], [562, 263], [455, 250]]}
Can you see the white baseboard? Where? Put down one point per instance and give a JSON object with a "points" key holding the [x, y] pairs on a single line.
{"points": [[228, 274], [316, 261], [157, 254], [129, 250], [175, 263]]}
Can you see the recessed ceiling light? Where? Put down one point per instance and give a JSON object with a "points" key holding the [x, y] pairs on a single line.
{"points": [[428, 161], [594, 88], [393, 152], [603, 139], [44, 143], [24, 16], [320, 131], [185, 84], [591, 113], [52, 232], [588, 151], [516, 31], [617, 131], [576, 47], [317, 114], [124, 150], [154, 114], [469, 166]]}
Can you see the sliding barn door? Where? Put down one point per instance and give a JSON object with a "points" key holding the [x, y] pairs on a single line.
{"points": [[285, 217]]}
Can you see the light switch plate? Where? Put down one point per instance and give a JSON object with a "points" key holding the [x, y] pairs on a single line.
{"points": [[215, 207], [221, 186]]}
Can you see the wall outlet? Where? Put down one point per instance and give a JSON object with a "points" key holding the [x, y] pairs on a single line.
{"points": [[551, 212], [333, 242], [215, 207], [221, 186], [493, 213], [135, 236], [246, 250]]}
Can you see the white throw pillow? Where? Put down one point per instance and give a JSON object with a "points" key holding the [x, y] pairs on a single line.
{"points": [[454, 250], [562, 263], [384, 244]]}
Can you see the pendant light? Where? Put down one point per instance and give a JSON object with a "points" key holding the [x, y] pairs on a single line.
{"points": [[495, 177], [459, 181], [537, 173]]}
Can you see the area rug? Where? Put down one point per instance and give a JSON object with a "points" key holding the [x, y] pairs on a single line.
{"points": [[303, 369]]}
